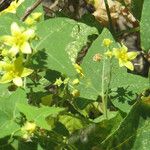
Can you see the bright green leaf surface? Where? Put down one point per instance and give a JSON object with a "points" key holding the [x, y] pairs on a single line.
{"points": [[8, 111], [145, 26], [5, 22], [133, 132], [72, 123], [39, 115], [90, 86], [62, 39]]}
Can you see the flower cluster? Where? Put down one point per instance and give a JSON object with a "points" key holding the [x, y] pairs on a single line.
{"points": [[124, 57], [28, 130], [71, 84], [33, 18], [14, 49]]}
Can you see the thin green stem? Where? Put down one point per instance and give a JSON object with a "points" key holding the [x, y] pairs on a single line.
{"points": [[109, 79], [24, 83], [104, 101]]}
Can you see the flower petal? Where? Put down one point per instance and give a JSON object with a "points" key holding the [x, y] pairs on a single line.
{"points": [[121, 63], [36, 16], [15, 29], [18, 81], [132, 55], [25, 48], [6, 66], [129, 65], [26, 72], [124, 48], [7, 77], [13, 51], [29, 34], [116, 52], [7, 40]]}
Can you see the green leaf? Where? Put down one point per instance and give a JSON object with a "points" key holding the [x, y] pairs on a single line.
{"points": [[8, 111], [39, 115], [62, 39], [110, 114], [90, 85], [72, 123], [23, 145], [133, 132], [145, 24], [92, 134], [5, 21], [136, 7]]}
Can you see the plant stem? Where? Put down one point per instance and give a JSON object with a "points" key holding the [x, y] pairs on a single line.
{"points": [[24, 83], [104, 101], [109, 18], [109, 79]]}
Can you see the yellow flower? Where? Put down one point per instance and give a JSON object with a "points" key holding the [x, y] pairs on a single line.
{"points": [[79, 69], [75, 93], [34, 18], [13, 6], [29, 127], [66, 81], [107, 42], [19, 40], [58, 82], [29, 21], [14, 71], [75, 81], [125, 57]]}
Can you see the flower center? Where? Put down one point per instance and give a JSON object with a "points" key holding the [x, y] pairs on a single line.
{"points": [[19, 39], [123, 56]]}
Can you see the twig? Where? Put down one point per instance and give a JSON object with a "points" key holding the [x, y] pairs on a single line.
{"points": [[109, 18], [30, 9], [54, 4], [48, 8]]}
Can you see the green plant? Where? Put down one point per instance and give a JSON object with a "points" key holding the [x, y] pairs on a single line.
{"points": [[49, 100]]}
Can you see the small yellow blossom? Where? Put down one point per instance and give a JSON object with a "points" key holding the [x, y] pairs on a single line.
{"points": [[107, 42], [58, 82], [28, 130], [75, 93], [13, 7], [30, 21], [34, 18], [29, 127], [125, 57], [14, 71], [66, 81], [19, 40], [79, 69], [75, 81]]}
